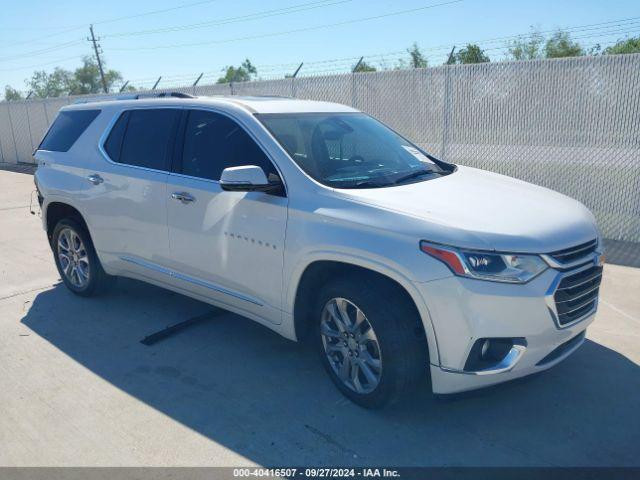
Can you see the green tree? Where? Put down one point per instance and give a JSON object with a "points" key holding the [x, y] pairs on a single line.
{"points": [[11, 94], [86, 79], [417, 58], [560, 45], [52, 84], [363, 67], [472, 53], [629, 45], [243, 73], [526, 48], [595, 50]]}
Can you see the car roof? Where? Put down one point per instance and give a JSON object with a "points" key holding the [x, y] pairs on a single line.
{"points": [[252, 104]]}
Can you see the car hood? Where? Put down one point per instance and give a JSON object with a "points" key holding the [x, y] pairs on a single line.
{"points": [[473, 208]]}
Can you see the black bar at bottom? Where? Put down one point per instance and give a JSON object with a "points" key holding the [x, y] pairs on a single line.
{"points": [[178, 327]]}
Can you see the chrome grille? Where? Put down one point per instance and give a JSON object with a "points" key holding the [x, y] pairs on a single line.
{"points": [[569, 255], [577, 294]]}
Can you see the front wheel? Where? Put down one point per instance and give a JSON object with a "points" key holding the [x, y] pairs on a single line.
{"points": [[371, 341]]}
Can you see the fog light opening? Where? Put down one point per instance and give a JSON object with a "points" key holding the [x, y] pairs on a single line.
{"points": [[486, 353]]}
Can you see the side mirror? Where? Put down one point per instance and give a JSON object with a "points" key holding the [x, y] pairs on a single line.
{"points": [[248, 178]]}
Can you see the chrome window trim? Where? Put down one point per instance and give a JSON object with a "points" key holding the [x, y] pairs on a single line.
{"points": [[107, 131], [247, 130], [110, 125], [192, 280]]}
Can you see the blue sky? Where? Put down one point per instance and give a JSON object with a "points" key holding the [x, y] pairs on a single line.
{"points": [[43, 34]]}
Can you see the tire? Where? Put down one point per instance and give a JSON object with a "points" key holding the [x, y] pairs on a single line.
{"points": [[400, 345], [76, 259]]}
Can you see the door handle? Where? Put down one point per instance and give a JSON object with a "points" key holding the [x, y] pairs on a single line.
{"points": [[184, 197], [95, 179]]}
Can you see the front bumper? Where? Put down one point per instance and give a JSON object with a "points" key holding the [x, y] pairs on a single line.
{"points": [[463, 310]]}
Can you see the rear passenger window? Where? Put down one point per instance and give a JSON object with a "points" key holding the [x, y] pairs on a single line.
{"points": [[66, 129], [214, 142], [143, 138]]}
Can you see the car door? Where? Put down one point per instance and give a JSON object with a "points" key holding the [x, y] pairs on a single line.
{"points": [[227, 246], [127, 201]]}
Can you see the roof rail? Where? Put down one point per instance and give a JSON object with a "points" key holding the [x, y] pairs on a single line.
{"points": [[163, 94], [133, 96]]}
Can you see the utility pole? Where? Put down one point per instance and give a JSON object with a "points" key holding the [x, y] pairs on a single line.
{"points": [[355, 69], [297, 70], [450, 59], [197, 80], [96, 48]]}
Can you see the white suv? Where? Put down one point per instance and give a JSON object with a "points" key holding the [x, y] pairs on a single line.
{"points": [[321, 223]]}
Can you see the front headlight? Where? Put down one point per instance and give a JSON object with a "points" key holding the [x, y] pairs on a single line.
{"points": [[495, 267]]}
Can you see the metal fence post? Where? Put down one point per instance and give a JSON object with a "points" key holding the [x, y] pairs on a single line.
{"points": [[353, 89], [446, 111], [46, 114], [26, 109], [1, 150], [13, 135]]}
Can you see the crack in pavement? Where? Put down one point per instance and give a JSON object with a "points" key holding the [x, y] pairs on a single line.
{"points": [[23, 292], [14, 208]]}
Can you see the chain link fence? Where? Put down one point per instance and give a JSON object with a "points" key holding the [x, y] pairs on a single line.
{"points": [[572, 125]]}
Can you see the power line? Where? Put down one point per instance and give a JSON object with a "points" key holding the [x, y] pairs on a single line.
{"points": [[70, 28], [28, 67], [597, 30], [575, 29], [154, 12], [254, 16], [346, 63], [39, 38], [54, 48], [297, 30], [242, 18]]}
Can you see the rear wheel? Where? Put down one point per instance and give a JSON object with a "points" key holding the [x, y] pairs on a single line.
{"points": [[370, 341], [76, 259]]}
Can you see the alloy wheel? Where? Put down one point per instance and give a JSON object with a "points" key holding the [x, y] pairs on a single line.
{"points": [[351, 345], [73, 257]]}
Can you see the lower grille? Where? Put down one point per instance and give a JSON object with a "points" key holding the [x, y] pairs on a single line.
{"points": [[562, 349], [577, 294]]}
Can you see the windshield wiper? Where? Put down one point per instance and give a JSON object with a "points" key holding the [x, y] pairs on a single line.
{"points": [[412, 175], [369, 183]]}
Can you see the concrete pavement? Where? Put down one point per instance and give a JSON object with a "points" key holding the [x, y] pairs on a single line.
{"points": [[77, 388]]}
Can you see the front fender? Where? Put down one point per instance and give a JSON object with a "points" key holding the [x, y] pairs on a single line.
{"points": [[378, 265]]}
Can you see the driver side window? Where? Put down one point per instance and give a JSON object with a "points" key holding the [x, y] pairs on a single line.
{"points": [[213, 142]]}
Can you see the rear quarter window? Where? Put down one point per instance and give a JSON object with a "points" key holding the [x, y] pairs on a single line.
{"points": [[66, 129], [113, 145]]}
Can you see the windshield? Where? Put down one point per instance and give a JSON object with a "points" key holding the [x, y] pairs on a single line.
{"points": [[350, 150]]}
